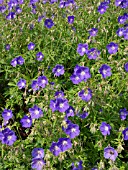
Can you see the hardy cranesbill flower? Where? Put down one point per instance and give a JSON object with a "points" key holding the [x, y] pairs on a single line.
{"points": [[35, 112], [48, 23], [105, 128], [14, 62], [8, 137], [86, 96], [64, 144], [120, 32], [35, 85], [82, 49], [118, 2], [126, 67], [93, 32], [21, 83], [121, 19], [42, 81], [18, 10], [58, 70], [31, 46], [26, 122], [82, 72], [125, 133], [83, 115], [37, 163], [125, 34], [105, 70], [39, 56], [20, 60], [53, 105], [123, 113], [55, 149], [79, 166], [75, 79], [59, 94], [112, 48], [102, 9], [62, 104], [93, 53], [7, 114], [110, 153], [70, 111], [72, 130], [7, 47], [38, 153], [70, 19], [11, 15]]}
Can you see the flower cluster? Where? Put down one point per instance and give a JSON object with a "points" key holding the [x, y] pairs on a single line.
{"points": [[37, 160], [80, 74], [18, 60], [35, 113], [62, 145], [123, 113]]}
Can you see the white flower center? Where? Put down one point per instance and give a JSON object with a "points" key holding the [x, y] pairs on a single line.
{"points": [[58, 70], [77, 78], [56, 148], [61, 105], [9, 137], [65, 142], [104, 71], [8, 113], [22, 84], [28, 121], [113, 48], [70, 111], [36, 112], [106, 128], [83, 50], [82, 73], [127, 133], [73, 130], [43, 81]]}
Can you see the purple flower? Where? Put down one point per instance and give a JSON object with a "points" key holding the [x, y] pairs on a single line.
{"points": [[59, 94], [62, 104], [14, 62], [64, 144], [55, 149], [120, 32], [126, 67], [110, 153], [21, 83], [105, 70], [38, 153], [86, 96], [8, 137], [112, 48], [58, 70], [72, 130], [93, 53], [125, 133], [123, 113], [79, 166], [118, 2], [71, 19], [37, 163], [93, 32], [7, 114], [82, 49], [83, 115], [26, 122], [42, 81], [20, 60], [102, 9], [7, 47], [31, 46], [125, 34], [82, 72], [18, 10], [70, 111], [11, 15], [121, 19], [39, 56], [105, 128], [53, 105], [40, 18], [35, 112], [75, 79], [48, 23], [35, 85]]}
